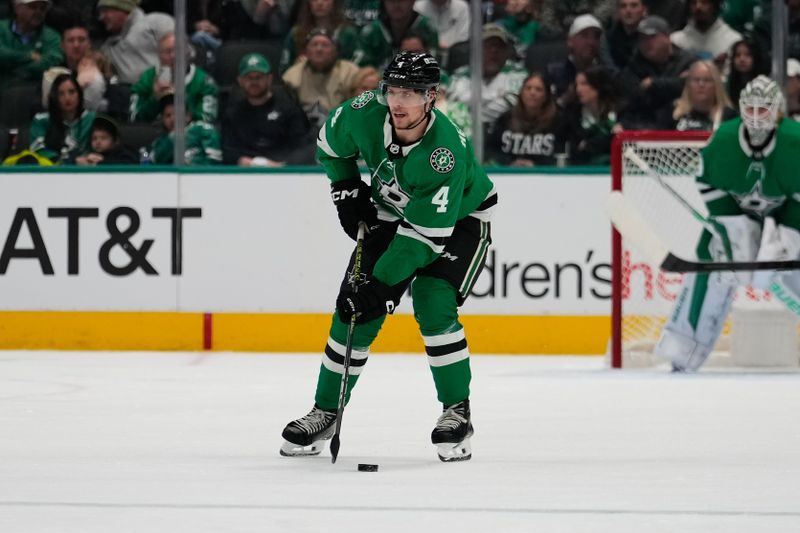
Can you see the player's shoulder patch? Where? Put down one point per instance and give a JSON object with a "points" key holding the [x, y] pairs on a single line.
{"points": [[362, 99], [442, 160]]}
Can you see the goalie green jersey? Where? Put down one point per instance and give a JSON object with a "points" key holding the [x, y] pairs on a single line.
{"points": [[734, 181], [428, 186]]}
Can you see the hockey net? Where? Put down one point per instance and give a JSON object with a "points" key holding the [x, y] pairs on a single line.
{"points": [[642, 295]]}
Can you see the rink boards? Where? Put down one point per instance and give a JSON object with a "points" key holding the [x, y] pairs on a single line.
{"points": [[252, 261]]}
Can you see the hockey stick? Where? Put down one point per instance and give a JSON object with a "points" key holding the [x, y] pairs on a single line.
{"points": [[354, 277], [632, 225], [631, 154]]}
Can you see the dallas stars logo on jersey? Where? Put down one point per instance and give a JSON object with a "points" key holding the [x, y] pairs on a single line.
{"points": [[362, 99], [755, 201], [442, 160]]}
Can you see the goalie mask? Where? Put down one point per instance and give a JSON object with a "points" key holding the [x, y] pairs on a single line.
{"points": [[760, 105]]}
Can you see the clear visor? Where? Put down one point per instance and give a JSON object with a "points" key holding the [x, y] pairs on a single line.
{"points": [[392, 95]]}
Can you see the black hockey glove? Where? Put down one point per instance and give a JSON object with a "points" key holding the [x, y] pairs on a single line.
{"points": [[353, 204], [373, 299]]}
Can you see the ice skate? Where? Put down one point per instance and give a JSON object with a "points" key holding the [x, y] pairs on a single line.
{"points": [[307, 435], [452, 432]]}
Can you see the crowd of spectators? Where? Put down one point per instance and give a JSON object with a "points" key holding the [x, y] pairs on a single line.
{"points": [[91, 82]]}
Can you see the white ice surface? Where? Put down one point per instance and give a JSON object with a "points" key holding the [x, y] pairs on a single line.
{"points": [[152, 442]]}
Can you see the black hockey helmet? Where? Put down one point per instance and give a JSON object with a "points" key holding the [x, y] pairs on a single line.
{"points": [[414, 70]]}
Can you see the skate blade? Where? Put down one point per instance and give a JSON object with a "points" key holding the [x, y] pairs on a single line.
{"points": [[289, 449], [450, 452]]}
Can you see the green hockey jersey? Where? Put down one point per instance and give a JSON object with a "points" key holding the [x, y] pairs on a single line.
{"points": [[201, 96], [77, 138], [428, 185], [203, 146], [732, 181]]}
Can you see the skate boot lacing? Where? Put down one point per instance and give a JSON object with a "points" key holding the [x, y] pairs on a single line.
{"points": [[314, 421]]}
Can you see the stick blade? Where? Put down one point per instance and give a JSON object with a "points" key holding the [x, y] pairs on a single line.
{"points": [[334, 448], [632, 225]]}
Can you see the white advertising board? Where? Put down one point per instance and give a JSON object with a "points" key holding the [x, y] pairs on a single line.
{"points": [[271, 243]]}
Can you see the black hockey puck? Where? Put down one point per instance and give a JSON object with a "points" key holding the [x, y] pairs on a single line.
{"points": [[367, 468]]}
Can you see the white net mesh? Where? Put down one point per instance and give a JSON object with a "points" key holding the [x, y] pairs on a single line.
{"points": [[647, 293]]}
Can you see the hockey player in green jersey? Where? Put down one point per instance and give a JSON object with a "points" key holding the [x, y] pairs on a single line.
{"points": [[748, 180], [427, 211]]}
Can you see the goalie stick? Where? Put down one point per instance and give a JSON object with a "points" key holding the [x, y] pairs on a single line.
{"points": [[348, 353], [632, 225]]}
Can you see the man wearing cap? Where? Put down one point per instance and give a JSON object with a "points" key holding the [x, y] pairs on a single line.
{"points": [[706, 35], [134, 36], [27, 46], [654, 78], [266, 128], [502, 76], [583, 45], [320, 79]]}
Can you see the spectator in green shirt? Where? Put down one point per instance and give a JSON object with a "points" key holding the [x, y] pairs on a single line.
{"points": [[203, 144], [27, 46], [63, 131], [380, 40], [158, 80], [326, 14]]}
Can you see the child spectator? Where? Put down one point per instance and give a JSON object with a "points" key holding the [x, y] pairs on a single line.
{"points": [[704, 103], [320, 79], [532, 132], [106, 147], [592, 119], [326, 14], [202, 140], [158, 80], [62, 132]]}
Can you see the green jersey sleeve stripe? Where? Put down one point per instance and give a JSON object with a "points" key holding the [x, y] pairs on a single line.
{"points": [[322, 142], [431, 232], [410, 233]]}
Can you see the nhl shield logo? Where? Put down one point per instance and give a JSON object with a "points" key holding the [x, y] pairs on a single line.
{"points": [[442, 160], [362, 99]]}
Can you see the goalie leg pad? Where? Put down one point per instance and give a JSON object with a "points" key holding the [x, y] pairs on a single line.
{"points": [[744, 235], [696, 323], [778, 243]]}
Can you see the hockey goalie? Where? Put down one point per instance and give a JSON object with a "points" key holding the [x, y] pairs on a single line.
{"points": [[748, 180]]}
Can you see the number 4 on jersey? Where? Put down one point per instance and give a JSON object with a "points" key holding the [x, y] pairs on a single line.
{"points": [[440, 199]]}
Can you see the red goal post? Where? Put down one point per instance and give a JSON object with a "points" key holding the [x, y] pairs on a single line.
{"points": [[675, 154]]}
